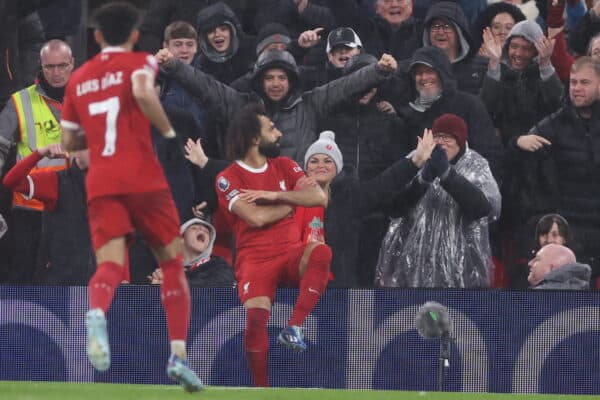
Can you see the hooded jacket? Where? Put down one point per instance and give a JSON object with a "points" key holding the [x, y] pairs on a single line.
{"points": [[207, 270], [296, 115], [436, 243], [574, 276], [517, 99], [482, 136], [468, 68], [235, 62], [275, 59]]}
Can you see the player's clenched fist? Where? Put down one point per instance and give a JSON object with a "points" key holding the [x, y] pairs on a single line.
{"points": [[387, 63], [163, 56]]}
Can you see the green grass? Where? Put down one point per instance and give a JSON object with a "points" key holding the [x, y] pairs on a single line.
{"points": [[12, 390]]}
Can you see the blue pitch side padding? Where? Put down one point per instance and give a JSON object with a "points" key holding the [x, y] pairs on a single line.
{"points": [[536, 341]]}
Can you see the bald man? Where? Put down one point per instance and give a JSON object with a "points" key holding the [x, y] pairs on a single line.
{"points": [[555, 267], [30, 120]]}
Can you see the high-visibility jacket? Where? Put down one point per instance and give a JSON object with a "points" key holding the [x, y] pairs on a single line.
{"points": [[39, 126]]}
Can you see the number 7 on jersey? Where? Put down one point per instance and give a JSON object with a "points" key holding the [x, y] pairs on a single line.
{"points": [[110, 107]]}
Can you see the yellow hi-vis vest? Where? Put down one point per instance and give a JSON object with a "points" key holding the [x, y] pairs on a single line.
{"points": [[38, 127]]}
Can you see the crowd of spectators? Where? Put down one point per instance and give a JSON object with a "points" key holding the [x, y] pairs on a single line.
{"points": [[508, 90]]}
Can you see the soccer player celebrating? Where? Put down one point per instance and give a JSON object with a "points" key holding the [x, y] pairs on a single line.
{"points": [[258, 190], [109, 105]]}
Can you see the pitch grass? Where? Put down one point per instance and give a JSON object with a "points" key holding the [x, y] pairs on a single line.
{"points": [[13, 390]]}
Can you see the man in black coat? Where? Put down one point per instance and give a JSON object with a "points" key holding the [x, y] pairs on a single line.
{"points": [[561, 161]]}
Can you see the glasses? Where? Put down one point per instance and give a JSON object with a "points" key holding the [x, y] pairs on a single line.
{"points": [[443, 137], [441, 27], [59, 67]]}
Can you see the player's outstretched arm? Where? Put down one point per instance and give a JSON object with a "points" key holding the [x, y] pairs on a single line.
{"points": [[148, 101]]}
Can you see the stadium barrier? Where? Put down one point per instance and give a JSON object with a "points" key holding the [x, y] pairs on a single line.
{"points": [[546, 342]]}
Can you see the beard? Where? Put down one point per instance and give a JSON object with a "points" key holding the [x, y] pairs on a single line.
{"points": [[269, 149]]}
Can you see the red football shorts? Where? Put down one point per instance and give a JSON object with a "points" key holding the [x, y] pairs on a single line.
{"points": [[153, 214], [261, 274]]}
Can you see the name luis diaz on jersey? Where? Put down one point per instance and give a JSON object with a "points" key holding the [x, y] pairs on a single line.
{"points": [[93, 85]]}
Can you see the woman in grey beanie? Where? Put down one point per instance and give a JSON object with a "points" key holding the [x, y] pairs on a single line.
{"points": [[339, 225]]}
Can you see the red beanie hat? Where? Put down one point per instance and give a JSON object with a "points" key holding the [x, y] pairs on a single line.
{"points": [[454, 125]]}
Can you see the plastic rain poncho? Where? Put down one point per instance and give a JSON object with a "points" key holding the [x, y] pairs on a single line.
{"points": [[434, 245]]}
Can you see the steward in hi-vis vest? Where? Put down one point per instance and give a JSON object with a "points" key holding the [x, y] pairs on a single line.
{"points": [[38, 117], [30, 121]]}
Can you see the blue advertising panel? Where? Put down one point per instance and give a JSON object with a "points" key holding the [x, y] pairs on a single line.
{"points": [[536, 341]]}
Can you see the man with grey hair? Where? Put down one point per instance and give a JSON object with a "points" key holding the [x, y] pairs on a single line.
{"points": [[30, 120]]}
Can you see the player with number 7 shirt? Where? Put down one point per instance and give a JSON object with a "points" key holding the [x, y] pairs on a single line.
{"points": [[109, 105]]}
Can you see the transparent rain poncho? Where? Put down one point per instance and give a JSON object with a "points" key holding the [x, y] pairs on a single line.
{"points": [[434, 245]]}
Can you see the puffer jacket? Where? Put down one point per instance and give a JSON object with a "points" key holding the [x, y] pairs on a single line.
{"points": [[519, 99]]}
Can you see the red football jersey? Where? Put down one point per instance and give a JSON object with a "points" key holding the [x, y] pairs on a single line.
{"points": [[311, 222], [99, 99], [278, 174]]}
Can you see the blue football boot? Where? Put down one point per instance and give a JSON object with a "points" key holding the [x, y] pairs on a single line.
{"points": [[292, 338], [178, 370], [98, 350]]}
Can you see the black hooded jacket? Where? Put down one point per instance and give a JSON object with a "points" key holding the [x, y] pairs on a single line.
{"points": [[225, 67], [469, 68], [482, 136]]}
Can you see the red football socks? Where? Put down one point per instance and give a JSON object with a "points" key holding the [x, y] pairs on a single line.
{"points": [[256, 345], [313, 284], [175, 296], [102, 286]]}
